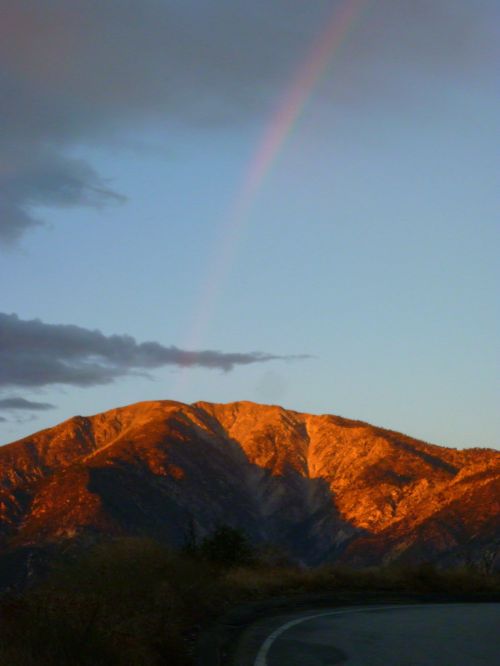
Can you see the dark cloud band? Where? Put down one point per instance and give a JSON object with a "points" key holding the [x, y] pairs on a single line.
{"points": [[79, 72], [35, 354]]}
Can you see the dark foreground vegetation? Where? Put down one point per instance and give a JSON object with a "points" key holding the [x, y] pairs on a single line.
{"points": [[133, 602]]}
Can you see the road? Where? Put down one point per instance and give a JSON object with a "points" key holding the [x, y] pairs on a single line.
{"points": [[421, 635]]}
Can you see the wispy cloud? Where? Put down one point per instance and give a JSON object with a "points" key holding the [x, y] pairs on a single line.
{"points": [[17, 403], [78, 72], [35, 354]]}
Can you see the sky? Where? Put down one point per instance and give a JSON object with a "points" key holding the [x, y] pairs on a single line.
{"points": [[287, 202]]}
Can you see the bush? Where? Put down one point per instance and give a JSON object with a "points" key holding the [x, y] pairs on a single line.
{"points": [[228, 547], [123, 603]]}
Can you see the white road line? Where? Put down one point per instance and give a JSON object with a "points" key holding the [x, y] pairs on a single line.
{"points": [[261, 659]]}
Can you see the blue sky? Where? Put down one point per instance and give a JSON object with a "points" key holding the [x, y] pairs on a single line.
{"points": [[371, 246]]}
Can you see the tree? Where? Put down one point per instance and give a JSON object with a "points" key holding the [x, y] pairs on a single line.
{"points": [[227, 546], [190, 544]]}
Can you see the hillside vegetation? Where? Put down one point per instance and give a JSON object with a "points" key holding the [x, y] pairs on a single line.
{"points": [[133, 602]]}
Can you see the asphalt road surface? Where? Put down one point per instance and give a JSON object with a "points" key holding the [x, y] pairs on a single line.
{"points": [[431, 635]]}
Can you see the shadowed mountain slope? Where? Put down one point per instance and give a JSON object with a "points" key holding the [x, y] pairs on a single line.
{"points": [[324, 487]]}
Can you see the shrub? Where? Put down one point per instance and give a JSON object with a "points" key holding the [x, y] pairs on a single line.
{"points": [[228, 547]]}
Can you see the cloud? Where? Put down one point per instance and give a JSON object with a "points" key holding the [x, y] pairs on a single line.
{"points": [[3, 420], [45, 178], [22, 403], [35, 354], [82, 72]]}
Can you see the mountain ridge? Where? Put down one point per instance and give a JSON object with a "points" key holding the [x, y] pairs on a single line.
{"points": [[321, 486]]}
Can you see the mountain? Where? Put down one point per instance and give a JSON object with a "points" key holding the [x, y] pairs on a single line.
{"points": [[324, 487]]}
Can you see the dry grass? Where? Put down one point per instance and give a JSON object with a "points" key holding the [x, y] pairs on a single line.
{"points": [[259, 583]]}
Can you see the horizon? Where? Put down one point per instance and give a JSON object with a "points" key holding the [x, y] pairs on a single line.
{"points": [[282, 204], [256, 404]]}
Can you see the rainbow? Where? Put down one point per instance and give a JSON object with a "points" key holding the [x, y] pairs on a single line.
{"points": [[270, 146]]}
